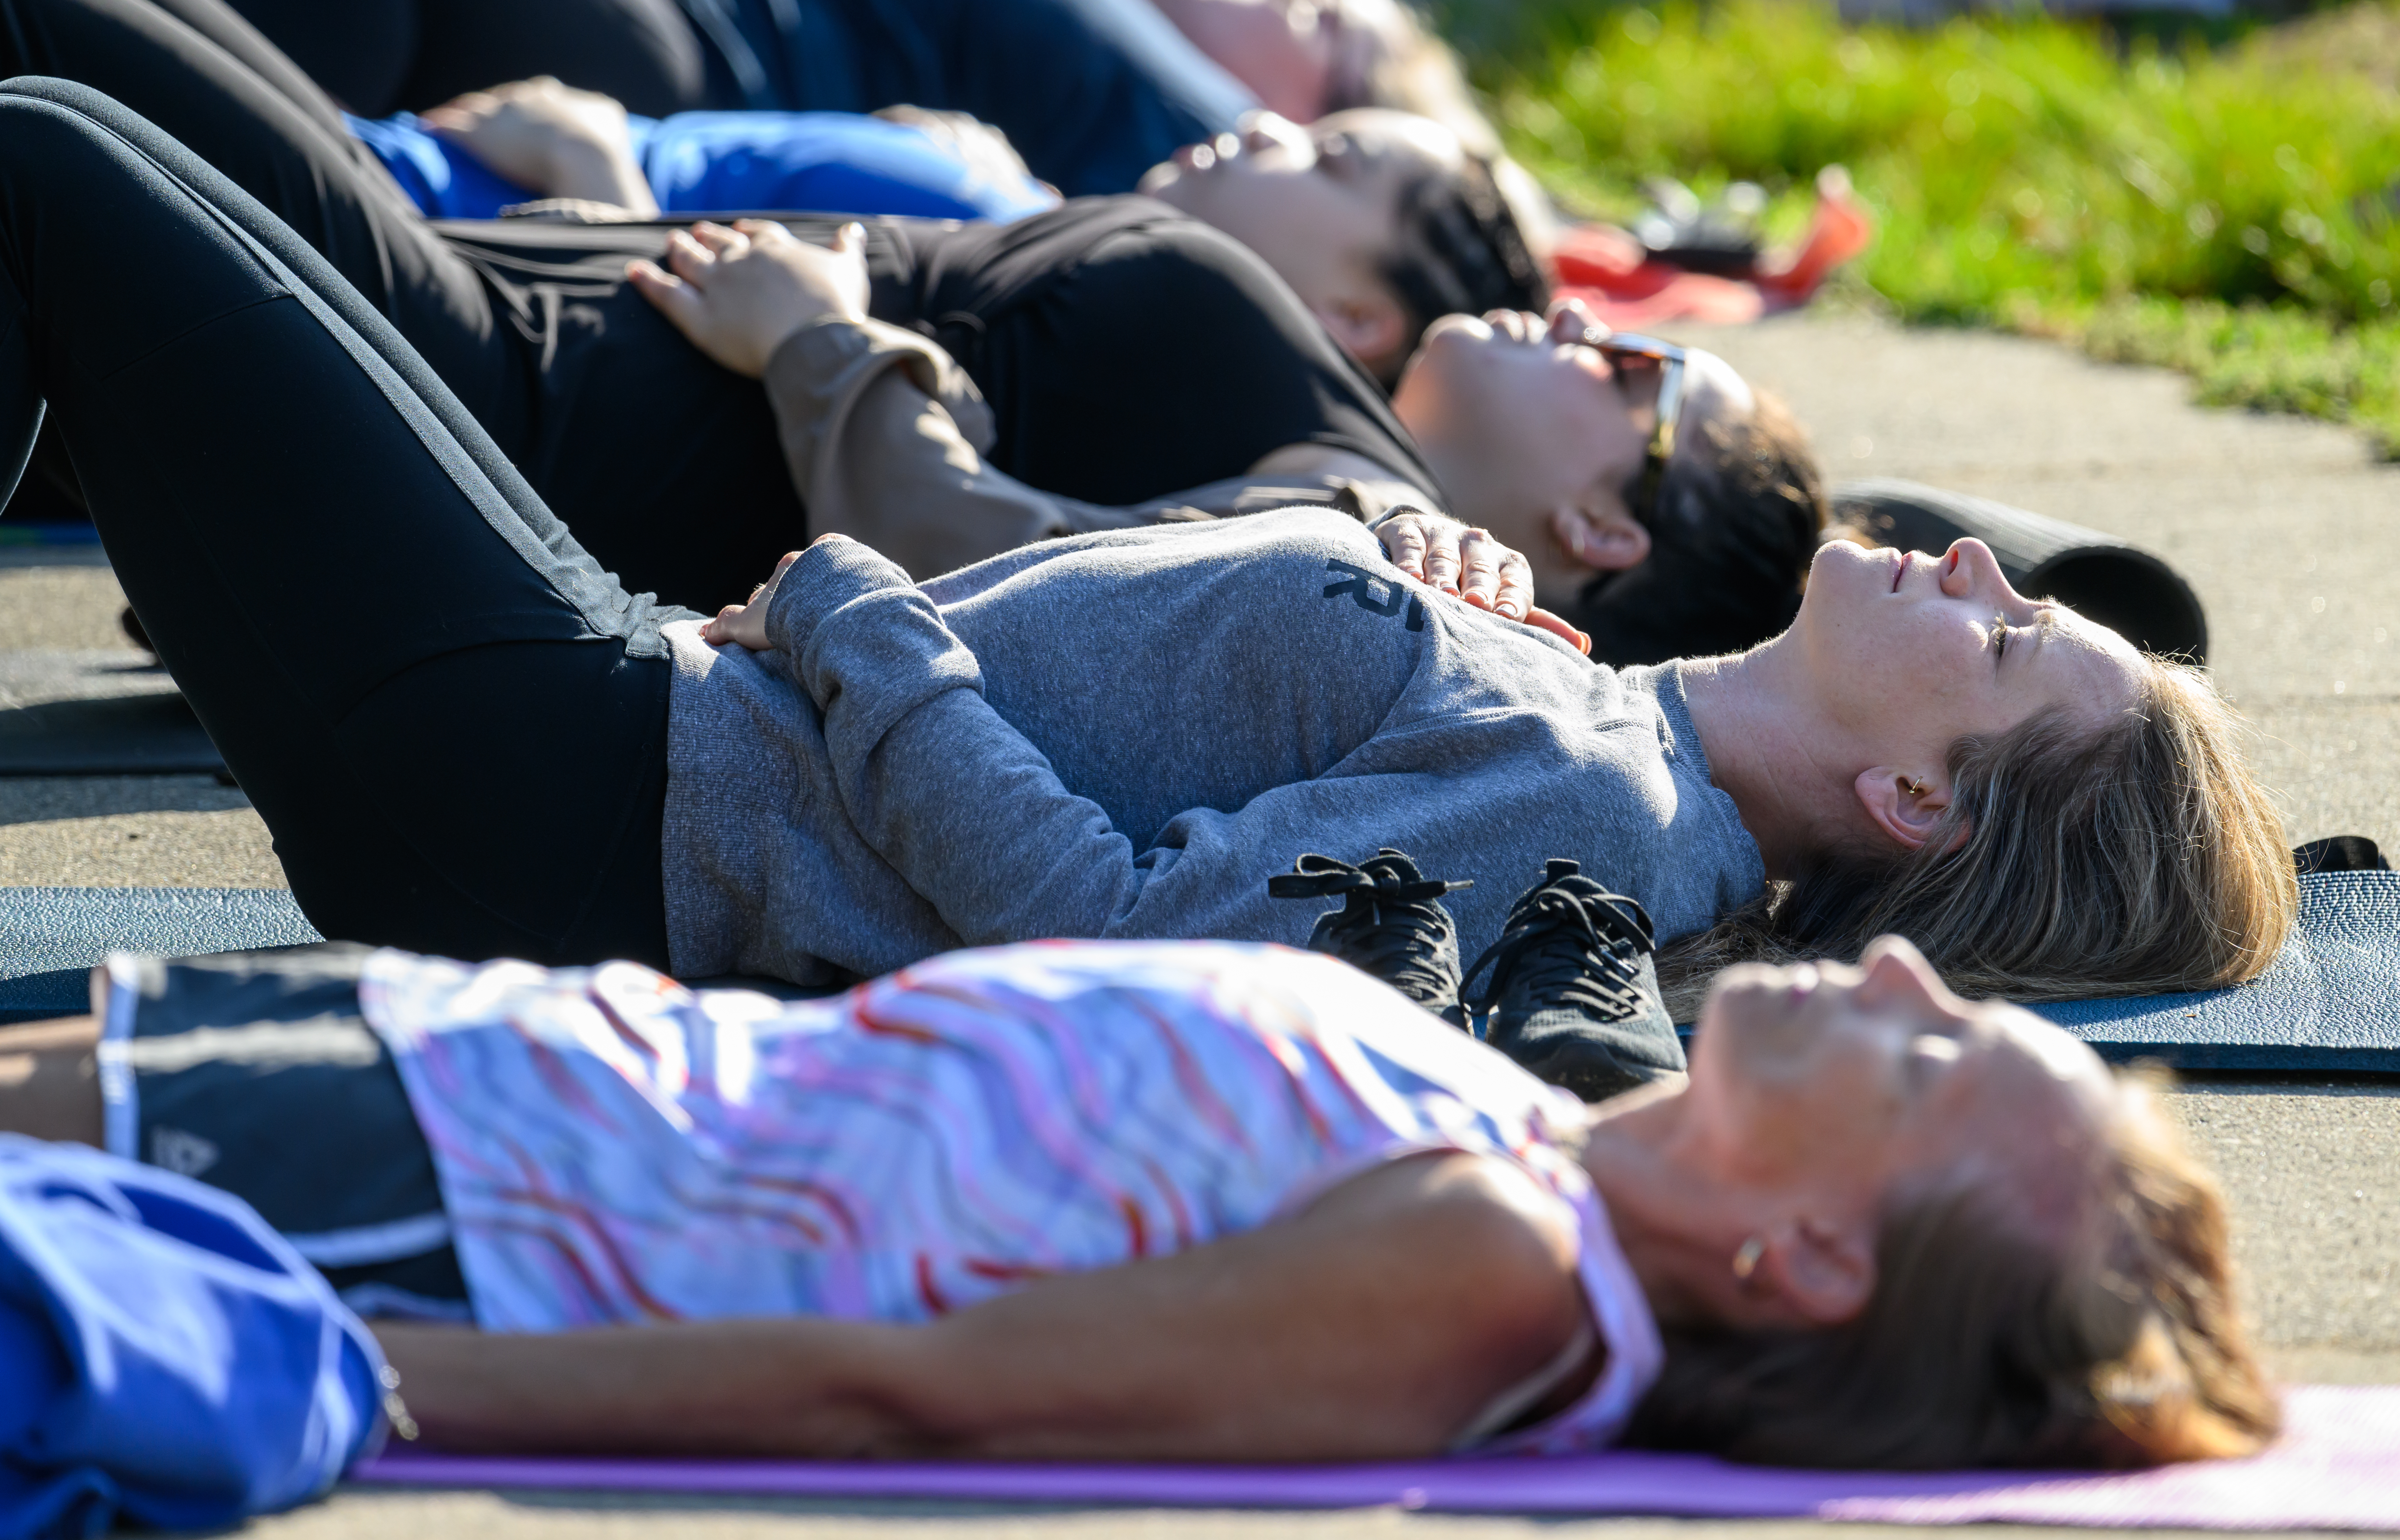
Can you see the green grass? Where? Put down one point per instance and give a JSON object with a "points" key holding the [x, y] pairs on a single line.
{"points": [[2226, 210]]}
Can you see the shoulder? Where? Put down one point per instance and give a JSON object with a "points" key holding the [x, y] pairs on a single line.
{"points": [[1494, 1246]]}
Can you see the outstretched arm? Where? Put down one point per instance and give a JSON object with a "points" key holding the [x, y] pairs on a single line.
{"points": [[1374, 1326]]}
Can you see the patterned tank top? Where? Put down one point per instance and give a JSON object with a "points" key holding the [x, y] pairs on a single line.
{"points": [[613, 1147]]}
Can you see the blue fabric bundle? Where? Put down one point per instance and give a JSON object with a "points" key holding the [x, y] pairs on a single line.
{"points": [[165, 1358], [830, 163]]}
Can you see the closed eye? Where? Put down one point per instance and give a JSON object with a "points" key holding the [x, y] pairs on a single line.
{"points": [[2000, 642], [1930, 1057]]}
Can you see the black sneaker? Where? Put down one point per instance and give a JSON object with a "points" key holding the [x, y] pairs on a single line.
{"points": [[1574, 995], [1391, 926]]}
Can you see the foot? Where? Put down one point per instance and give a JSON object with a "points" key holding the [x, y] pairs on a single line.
{"points": [[1391, 924], [1573, 996]]}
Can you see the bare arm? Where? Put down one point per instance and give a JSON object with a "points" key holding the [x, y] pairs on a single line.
{"points": [[1375, 1325]]}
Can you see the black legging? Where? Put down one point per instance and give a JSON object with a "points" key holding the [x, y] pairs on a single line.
{"points": [[453, 722], [1091, 93], [1128, 353], [380, 56]]}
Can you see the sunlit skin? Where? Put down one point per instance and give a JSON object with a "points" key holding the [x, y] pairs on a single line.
{"points": [[1837, 733], [1319, 204], [1817, 1093], [1285, 50], [1542, 434]]}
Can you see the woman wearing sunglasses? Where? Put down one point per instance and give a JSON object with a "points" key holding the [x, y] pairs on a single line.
{"points": [[1660, 504]]}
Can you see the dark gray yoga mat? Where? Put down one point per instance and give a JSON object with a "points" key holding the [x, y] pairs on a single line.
{"points": [[2331, 1001], [97, 713], [51, 937]]}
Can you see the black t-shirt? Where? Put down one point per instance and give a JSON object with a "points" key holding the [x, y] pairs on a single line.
{"points": [[1130, 352]]}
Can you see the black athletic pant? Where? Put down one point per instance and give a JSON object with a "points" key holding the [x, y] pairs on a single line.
{"points": [[1092, 92], [453, 722], [378, 57], [1128, 353]]}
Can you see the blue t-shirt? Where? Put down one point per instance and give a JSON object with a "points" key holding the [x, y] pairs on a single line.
{"points": [[165, 1358], [835, 163]]}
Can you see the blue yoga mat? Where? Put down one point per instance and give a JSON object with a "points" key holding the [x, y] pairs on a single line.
{"points": [[2331, 1001], [51, 937]]}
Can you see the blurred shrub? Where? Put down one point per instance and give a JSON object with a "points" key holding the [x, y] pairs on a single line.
{"points": [[2228, 211]]}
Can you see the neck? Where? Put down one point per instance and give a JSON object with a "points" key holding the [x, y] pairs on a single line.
{"points": [[1675, 1230], [1760, 727]]}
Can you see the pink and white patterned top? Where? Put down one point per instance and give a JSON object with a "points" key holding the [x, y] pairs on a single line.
{"points": [[613, 1147]]}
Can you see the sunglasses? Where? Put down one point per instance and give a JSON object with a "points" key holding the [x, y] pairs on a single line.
{"points": [[1623, 349]]}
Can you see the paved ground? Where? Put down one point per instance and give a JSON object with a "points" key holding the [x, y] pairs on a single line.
{"points": [[2285, 528]]}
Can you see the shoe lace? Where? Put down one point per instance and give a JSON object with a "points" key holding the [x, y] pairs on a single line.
{"points": [[1554, 949], [1387, 925]]}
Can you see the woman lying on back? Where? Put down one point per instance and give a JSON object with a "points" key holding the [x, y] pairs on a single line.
{"points": [[1193, 1201]]}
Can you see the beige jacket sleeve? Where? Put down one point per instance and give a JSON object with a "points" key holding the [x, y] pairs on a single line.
{"points": [[885, 435]]}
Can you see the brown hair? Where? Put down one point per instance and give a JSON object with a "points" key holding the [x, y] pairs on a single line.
{"points": [[1984, 1346], [1457, 248], [2135, 858], [1736, 525]]}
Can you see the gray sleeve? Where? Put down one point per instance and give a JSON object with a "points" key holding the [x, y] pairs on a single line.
{"points": [[884, 435], [975, 818]]}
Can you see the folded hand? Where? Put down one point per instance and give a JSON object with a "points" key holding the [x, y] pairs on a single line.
{"points": [[1444, 553], [740, 291]]}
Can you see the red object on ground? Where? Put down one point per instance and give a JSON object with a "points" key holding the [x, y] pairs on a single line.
{"points": [[1611, 272]]}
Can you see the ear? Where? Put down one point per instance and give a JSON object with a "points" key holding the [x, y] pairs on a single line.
{"points": [[1371, 327], [1605, 540], [1905, 807], [1813, 1273]]}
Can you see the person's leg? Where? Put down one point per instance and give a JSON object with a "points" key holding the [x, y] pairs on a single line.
{"points": [[668, 466], [450, 718], [50, 1080], [358, 50], [256, 1073], [204, 77], [1092, 92], [641, 52]]}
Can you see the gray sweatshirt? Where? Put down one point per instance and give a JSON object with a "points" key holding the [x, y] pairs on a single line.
{"points": [[1126, 733]]}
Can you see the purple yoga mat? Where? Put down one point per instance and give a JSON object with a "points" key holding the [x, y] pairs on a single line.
{"points": [[2337, 1467]]}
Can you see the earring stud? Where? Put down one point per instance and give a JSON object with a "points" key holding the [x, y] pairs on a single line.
{"points": [[1745, 1262], [1915, 787]]}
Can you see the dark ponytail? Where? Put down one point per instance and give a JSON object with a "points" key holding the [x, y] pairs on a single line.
{"points": [[1457, 249]]}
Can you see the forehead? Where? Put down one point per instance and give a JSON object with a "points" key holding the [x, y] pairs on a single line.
{"points": [[2098, 669], [2037, 1099], [1713, 393]]}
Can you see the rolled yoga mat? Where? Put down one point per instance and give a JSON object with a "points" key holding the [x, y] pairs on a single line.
{"points": [[2337, 1466], [2123, 587]]}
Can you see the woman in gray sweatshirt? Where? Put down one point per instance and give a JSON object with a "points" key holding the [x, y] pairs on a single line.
{"points": [[469, 740]]}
